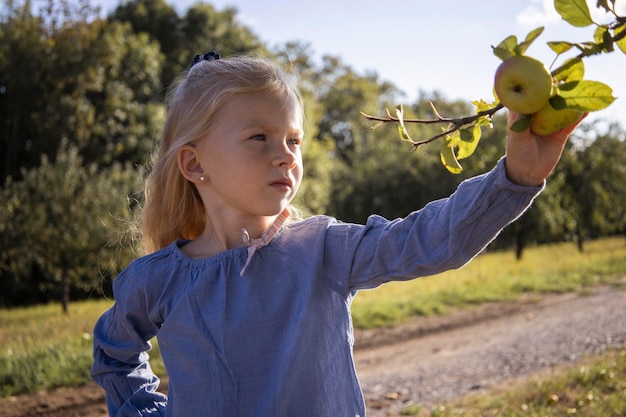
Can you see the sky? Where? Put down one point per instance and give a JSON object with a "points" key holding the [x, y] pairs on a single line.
{"points": [[423, 46]]}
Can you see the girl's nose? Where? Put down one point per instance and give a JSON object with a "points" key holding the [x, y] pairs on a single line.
{"points": [[285, 157]]}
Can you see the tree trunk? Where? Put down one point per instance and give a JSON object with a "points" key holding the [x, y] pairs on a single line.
{"points": [[65, 293], [580, 241], [519, 246]]}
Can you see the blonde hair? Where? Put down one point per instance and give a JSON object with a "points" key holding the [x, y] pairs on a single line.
{"points": [[173, 209]]}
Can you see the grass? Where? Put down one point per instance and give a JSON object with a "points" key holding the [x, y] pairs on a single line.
{"points": [[595, 386], [41, 348], [495, 277]]}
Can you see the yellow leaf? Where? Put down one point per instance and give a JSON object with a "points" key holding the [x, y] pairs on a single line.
{"points": [[587, 95], [448, 158], [621, 44], [404, 134], [572, 70], [469, 141], [574, 12]]}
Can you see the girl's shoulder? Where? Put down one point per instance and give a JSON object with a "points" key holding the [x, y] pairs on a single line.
{"points": [[163, 257], [153, 284], [307, 223], [310, 227], [153, 269], [323, 225], [325, 232]]}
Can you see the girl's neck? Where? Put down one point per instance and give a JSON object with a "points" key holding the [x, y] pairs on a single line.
{"points": [[224, 234]]}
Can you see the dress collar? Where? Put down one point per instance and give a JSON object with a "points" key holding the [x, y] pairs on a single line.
{"points": [[266, 237]]}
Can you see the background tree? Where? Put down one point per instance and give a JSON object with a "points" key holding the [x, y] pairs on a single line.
{"points": [[89, 85], [122, 111], [583, 198], [58, 220], [22, 87], [593, 184], [202, 28], [69, 75]]}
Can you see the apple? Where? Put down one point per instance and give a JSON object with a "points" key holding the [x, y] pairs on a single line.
{"points": [[549, 120], [523, 84]]}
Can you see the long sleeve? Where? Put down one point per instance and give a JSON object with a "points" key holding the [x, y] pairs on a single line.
{"points": [[445, 234], [120, 357]]}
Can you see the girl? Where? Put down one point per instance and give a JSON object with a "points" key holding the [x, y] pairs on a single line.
{"points": [[252, 309]]}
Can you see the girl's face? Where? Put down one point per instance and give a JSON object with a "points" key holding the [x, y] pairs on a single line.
{"points": [[252, 159]]}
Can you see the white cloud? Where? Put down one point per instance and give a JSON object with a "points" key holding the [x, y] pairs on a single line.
{"points": [[540, 13], [600, 15]]}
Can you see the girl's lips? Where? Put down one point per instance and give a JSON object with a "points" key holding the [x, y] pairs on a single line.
{"points": [[283, 183]]}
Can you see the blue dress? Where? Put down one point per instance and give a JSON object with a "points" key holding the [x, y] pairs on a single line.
{"points": [[277, 340]]}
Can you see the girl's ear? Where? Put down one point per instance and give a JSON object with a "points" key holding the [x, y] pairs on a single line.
{"points": [[189, 164]]}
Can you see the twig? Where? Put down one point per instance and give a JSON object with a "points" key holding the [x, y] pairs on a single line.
{"points": [[456, 123]]}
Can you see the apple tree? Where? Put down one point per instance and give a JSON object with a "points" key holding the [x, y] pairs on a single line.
{"points": [[583, 199], [594, 183], [64, 220]]}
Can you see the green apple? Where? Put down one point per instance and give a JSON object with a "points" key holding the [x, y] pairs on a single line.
{"points": [[523, 84], [549, 120]]}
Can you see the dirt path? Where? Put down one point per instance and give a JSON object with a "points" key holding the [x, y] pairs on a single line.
{"points": [[527, 338], [434, 359]]}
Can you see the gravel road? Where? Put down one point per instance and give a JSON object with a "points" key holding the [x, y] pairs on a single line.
{"points": [[520, 340]]}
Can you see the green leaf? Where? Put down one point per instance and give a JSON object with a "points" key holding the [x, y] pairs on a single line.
{"points": [[568, 86], [469, 141], [621, 44], [466, 135], [533, 34], [560, 46], [523, 46], [484, 121], [587, 95], [557, 102], [603, 38], [482, 105], [574, 12], [604, 4], [506, 48], [572, 70], [448, 158], [522, 123], [598, 34], [404, 134]]}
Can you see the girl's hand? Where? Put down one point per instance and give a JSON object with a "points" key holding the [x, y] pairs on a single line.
{"points": [[531, 158]]}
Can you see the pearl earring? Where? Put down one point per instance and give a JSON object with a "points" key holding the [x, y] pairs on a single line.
{"points": [[202, 178]]}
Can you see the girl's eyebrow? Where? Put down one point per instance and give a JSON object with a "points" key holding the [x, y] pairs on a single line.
{"points": [[271, 126]]}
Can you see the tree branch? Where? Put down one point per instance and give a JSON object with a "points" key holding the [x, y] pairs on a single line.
{"points": [[456, 123]]}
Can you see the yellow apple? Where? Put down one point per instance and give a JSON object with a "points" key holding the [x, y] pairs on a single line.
{"points": [[523, 84], [549, 120]]}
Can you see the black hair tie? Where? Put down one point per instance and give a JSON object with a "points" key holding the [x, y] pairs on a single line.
{"points": [[209, 56]]}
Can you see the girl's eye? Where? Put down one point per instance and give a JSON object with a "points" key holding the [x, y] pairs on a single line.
{"points": [[258, 137], [294, 141]]}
